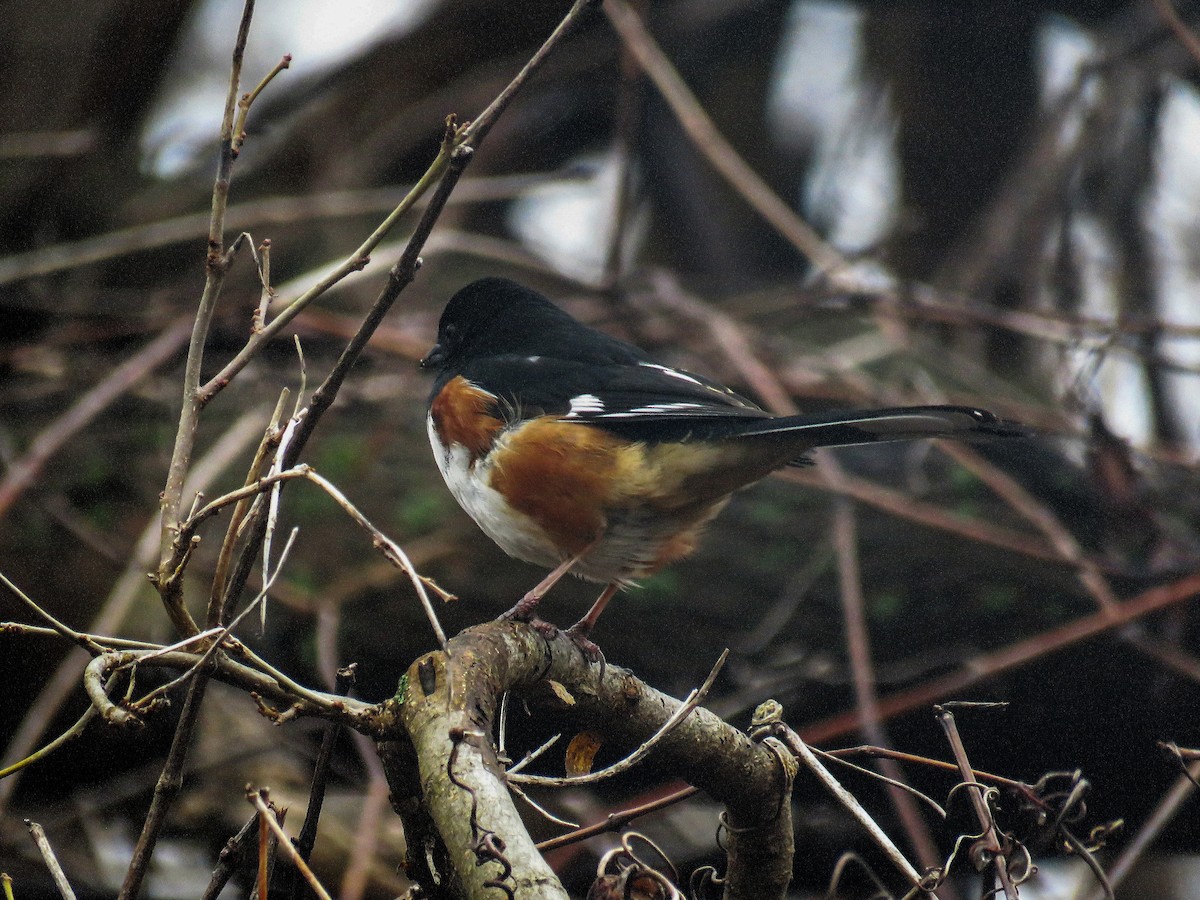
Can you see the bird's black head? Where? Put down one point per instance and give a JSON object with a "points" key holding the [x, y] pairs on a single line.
{"points": [[491, 316], [496, 316]]}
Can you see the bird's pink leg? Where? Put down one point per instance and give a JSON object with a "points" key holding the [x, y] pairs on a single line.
{"points": [[579, 632], [523, 610], [584, 626]]}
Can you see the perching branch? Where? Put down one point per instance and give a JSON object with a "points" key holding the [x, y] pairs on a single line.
{"points": [[447, 704]]}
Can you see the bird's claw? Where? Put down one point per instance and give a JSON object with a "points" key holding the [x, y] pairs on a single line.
{"points": [[522, 611], [591, 652]]}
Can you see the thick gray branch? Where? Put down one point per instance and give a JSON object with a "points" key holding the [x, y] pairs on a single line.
{"points": [[447, 704]]}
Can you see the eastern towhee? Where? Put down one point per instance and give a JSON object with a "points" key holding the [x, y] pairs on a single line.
{"points": [[577, 451]]}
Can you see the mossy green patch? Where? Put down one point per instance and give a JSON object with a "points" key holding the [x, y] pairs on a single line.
{"points": [[420, 511]]}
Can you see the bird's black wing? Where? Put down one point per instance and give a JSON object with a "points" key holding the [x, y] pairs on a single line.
{"points": [[645, 401], [642, 401]]}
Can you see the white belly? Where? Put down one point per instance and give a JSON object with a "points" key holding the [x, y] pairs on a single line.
{"points": [[628, 549], [470, 483]]}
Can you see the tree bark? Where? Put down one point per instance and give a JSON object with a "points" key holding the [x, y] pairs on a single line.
{"points": [[447, 703]]}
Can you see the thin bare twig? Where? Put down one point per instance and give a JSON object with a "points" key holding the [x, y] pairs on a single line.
{"points": [[887, 752], [455, 154], [478, 130], [289, 686], [169, 783], [989, 848], [356, 261], [531, 755], [220, 634], [216, 266], [401, 274], [842, 867], [215, 613], [617, 820], [878, 776], [256, 677], [457, 146], [272, 501], [765, 717], [247, 100], [69, 633], [391, 551], [62, 740], [186, 540], [262, 876], [258, 799], [43, 844], [189, 525], [356, 878], [866, 699], [267, 294], [105, 642], [539, 809], [693, 699], [343, 682], [1088, 858]]}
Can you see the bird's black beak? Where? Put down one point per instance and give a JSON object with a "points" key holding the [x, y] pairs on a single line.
{"points": [[434, 357]]}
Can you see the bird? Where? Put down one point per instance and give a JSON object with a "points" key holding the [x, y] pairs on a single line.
{"points": [[581, 453]]}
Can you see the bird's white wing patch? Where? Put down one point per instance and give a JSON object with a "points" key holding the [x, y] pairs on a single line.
{"points": [[654, 409], [585, 404], [674, 373]]}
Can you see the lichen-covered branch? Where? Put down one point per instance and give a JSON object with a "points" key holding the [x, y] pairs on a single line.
{"points": [[447, 703]]}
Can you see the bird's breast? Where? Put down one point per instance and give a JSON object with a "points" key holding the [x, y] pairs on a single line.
{"points": [[468, 476], [464, 417], [547, 489]]}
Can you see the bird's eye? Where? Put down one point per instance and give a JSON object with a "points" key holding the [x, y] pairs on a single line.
{"points": [[450, 331]]}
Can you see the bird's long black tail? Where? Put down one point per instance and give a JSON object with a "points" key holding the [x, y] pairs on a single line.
{"points": [[843, 429]]}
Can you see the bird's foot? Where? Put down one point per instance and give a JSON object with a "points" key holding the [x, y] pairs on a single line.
{"points": [[522, 611], [591, 652], [548, 630], [578, 633]]}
